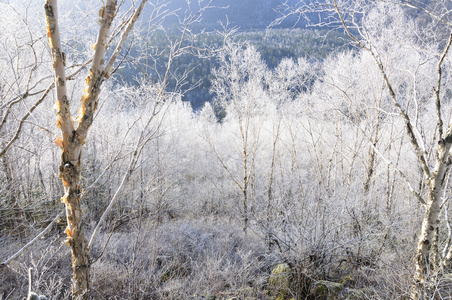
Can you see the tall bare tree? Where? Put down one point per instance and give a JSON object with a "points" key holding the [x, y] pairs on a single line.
{"points": [[74, 133], [240, 88], [359, 19]]}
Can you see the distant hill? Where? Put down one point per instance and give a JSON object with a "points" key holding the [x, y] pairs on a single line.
{"points": [[245, 14]]}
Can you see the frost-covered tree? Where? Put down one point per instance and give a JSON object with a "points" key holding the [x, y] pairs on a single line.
{"points": [[240, 86], [412, 62], [74, 133]]}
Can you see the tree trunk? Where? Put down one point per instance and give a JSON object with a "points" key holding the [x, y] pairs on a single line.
{"points": [[73, 139], [424, 260], [70, 175], [245, 189], [427, 256]]}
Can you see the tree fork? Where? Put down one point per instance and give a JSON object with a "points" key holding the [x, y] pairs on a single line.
{"points": [[70, 168], [72, 140]]}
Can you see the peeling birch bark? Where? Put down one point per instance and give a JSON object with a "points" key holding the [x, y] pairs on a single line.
{"points": [[70, 168], [427, 258], [73, 139]]}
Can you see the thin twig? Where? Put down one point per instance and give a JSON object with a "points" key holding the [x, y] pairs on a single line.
{"points": [[6, 262]]}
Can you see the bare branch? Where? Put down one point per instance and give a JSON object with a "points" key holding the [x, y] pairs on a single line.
{"points": [[431, 14], [123, 39], [6, 262], [347, 29], [65, 122], [387, 161], [439, 121], [113, 200], [21, 122]]}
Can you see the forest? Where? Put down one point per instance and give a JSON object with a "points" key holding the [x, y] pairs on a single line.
{"points": [[305, 157], [272, 44]]}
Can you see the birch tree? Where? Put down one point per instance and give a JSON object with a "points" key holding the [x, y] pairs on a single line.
{"points": [[25, 84], [381, 29], [74, 133], [240, 88]]}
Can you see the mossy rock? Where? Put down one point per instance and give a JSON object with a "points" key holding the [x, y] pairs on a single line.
{"points": [[328, 289], [279, 281]]}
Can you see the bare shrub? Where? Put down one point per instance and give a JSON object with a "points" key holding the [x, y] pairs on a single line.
{"points": [[182, 260], [51, 272]]}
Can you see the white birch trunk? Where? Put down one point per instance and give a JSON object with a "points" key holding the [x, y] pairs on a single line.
{"points": [[73, 138]]}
